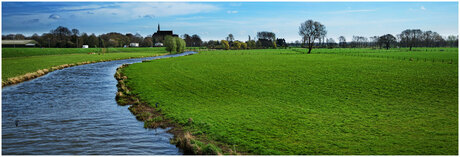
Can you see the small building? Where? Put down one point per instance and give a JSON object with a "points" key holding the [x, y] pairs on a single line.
{"points": [[19, 43], [85, 46], [133, 44], [158, 44]]}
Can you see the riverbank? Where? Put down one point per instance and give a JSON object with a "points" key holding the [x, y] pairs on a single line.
{"points": [[284, 102], [153, 118], [77, 103], [19, 69]]}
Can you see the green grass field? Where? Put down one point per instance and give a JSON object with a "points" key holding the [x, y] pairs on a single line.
{"points": [[19, 61], [418, 54], [24, 52], [283, 102]]}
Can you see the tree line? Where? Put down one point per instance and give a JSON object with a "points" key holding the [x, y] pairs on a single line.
{"points": [[63, 37], [313, 34], [264, 40]]}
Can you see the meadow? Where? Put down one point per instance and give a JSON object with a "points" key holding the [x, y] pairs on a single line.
{"points": [[285, 102], [19, 61]]}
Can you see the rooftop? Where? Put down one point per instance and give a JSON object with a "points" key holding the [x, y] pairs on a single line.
{"points": [[18, 42]]}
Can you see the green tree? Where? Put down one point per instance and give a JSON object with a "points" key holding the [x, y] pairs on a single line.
{"points": [[251, 44], [225, 44], [180, 44], [170, 44], [236, 45], [244, 45]]}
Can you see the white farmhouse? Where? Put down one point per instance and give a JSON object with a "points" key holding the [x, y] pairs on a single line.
{"points": [[134, 45], [158, 44]]}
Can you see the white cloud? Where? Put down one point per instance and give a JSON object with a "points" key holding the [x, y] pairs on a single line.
{"points": [[135, 10], [54, 16], [232, 12], [86, 7]]}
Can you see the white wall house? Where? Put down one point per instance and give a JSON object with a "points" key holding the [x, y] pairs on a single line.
{"points": [[158, 44], [134, 45], [85, 46]]}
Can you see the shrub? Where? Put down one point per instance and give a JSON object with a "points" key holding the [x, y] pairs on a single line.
{"points": [[236, 45], [244, 45], [251, 44]]}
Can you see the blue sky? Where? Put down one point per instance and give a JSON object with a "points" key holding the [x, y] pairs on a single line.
{"points": [[215, 20]]}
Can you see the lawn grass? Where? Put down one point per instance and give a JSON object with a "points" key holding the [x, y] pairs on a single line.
{"points": [[283, 102], [31, 60]]}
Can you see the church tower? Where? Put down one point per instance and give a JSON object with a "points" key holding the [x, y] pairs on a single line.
{"points": [[158, 27]]}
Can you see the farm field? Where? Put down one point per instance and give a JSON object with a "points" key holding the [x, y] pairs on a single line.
{"points": [[19, 61], [284, 102]]}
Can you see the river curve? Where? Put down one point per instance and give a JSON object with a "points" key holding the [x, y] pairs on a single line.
{"points": [[73, 111]]}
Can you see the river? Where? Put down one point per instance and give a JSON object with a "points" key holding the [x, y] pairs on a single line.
{"points": [[73, 112]]}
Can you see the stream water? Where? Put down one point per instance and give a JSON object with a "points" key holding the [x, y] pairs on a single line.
{"points": [[73, 111]]}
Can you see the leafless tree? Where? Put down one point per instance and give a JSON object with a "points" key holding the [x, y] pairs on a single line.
{"points": [[342, 41], [230, 38], [387, 39], [310, 31], [410, 37]]}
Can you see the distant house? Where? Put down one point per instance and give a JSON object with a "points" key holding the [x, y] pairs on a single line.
{"points": [[19, 43], [158, 44], [159, 36], [133, 44], [85, 46]]}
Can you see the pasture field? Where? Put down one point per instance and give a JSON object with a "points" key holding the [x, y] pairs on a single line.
{"points": [[283, 102], [418, 54], [19, 61], [24, 52]]}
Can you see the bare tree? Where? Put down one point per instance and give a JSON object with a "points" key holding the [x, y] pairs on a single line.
{"points": [[196, 40], [230, 38], [387, 39], [342, 41], [374, 41], [330, 43], [452, 40], [310, 31], [410, 37]]}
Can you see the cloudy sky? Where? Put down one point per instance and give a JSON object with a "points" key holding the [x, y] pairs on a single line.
{"points": [[215, 20]]}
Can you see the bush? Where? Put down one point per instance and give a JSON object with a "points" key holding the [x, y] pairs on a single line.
{"points": [[170, 44], [251, 44], [236, 45], [244, 45], [225, 45]]}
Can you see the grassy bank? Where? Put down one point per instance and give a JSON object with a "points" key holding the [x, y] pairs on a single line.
{"points": [[30, 60], [283, 102]]}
